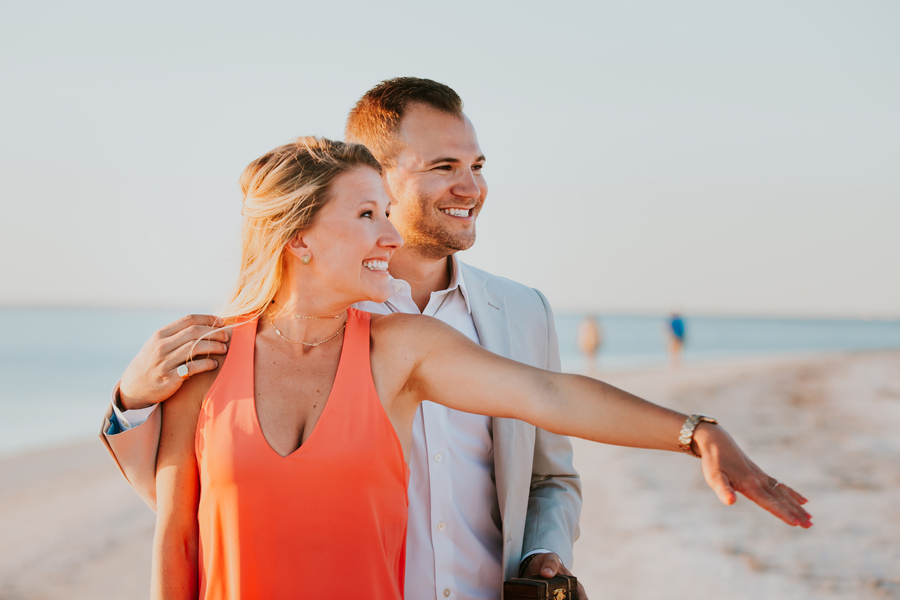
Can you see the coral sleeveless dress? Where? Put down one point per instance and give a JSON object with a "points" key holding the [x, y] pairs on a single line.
{"points": [[328, 520]]}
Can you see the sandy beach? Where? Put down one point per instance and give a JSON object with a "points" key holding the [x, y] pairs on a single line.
{"points": [[827, 425]]}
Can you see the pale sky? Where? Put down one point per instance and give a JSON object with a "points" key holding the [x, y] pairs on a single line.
{"points": [[715, 157]]}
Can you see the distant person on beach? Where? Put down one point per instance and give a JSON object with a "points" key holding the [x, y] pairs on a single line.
{"points": [[433, 170], [676, 339], [590, 340]]}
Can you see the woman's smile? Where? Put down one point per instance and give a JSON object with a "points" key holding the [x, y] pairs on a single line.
{"points": [[376, 265]]}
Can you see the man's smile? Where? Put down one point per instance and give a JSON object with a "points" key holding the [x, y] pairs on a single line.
{"points": [[457, 212]]}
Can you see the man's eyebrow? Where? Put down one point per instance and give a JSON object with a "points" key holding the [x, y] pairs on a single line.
{"points": [[450, 159]]}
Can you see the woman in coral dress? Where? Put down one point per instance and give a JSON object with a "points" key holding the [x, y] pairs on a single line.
{"points": [[282, 473]]}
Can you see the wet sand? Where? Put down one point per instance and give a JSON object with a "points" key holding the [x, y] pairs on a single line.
{"points": [[71, 528]]}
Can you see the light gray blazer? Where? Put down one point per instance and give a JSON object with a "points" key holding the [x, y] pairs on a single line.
{"points": [[538, 490], [537, 486]]}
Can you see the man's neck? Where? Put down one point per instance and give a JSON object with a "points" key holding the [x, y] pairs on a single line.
{"points": [[424, 275]]}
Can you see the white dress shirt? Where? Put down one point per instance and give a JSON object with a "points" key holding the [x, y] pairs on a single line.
{"points": [[454, 543], [454, 538]]}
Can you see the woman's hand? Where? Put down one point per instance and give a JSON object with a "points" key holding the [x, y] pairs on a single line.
{"points": [[728, 470], [151, 377]]}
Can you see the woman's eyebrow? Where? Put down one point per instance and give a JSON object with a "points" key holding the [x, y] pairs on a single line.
{"points": [[367, 202]]}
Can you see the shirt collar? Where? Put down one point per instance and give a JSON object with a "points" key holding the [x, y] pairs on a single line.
{"points": [[456, 281]]}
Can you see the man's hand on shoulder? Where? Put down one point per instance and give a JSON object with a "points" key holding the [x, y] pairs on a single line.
{"points": [[151, 377], [548, 565]]}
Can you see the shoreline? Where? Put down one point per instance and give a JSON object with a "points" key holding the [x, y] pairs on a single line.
{"points": [[74, 529]]}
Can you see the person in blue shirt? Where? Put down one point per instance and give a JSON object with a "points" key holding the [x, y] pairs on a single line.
{"points": [[676, 339]]}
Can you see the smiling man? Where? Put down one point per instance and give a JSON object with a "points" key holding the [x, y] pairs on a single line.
{"points": [[484, 492], [489, 498]]}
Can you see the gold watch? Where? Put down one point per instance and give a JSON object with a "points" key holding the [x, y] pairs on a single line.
{"points": [[687, 432]]}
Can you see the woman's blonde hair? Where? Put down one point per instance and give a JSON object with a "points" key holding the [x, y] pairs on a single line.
{"points": [[283, 192]]}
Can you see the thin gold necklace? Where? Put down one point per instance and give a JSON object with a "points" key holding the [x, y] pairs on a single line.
{"points": [[310, 344]]}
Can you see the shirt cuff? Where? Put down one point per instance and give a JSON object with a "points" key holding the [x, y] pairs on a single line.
{"points": [[538, 551], [127, 419]]}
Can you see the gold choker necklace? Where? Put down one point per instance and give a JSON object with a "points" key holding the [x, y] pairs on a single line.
{"points": [[271, 316]]}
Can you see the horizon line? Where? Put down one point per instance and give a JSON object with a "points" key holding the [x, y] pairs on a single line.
{"points": [[575, 310]]}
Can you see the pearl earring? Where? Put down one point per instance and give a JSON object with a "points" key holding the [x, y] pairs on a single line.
{"points": [[305, 259]]}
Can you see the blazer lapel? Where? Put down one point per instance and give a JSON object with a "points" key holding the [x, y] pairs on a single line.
{"points": [[491, 320], [488, 312]]}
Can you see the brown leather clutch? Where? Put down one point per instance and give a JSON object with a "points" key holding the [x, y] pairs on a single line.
{"points": [[561, 587]]}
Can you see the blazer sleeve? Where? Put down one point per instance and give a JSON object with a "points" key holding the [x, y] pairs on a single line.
{"points": [[134, 452], [554, 502]]}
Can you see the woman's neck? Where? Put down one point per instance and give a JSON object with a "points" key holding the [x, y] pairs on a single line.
{"points": [[303, 320]]}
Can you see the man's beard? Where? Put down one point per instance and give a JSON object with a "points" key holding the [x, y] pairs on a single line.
{"points": [[428, 240]]}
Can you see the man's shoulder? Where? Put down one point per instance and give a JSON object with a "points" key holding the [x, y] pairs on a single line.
{"points": [[529, 325], [501, 285]]}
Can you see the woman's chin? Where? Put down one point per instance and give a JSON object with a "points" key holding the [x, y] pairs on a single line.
{"points": [[378, 293]]}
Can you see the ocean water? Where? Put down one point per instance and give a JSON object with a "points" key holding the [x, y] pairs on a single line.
{"points": [[630, 340], [58, 366]]}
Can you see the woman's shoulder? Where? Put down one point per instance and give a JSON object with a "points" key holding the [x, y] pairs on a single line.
{"points": [[412, 333], [188, 400], [398, 323]]}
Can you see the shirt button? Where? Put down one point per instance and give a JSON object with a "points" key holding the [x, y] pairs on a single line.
{"points": [[446, 592], [398, 287], [442, 526], [438, 458]]}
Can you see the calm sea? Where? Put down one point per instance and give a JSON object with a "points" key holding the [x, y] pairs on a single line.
{"points": [[57, 366]]}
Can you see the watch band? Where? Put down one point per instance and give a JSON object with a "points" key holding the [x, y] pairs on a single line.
{"points": [[687, 432]]}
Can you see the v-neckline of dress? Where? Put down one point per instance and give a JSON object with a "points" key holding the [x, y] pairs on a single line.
{"points": [[328, 403]]}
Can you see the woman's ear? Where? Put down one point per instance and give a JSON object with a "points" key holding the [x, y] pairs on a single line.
{"points": [[298, 247]]}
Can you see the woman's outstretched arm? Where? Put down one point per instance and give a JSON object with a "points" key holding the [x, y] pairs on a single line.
{"points": [[176, 540], [448, 368]]}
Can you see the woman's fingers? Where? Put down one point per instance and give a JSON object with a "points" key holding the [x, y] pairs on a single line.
{"points": [[193, 333], [794, 501], [208, 321], [779, 500], [151, 377], [719, 483], [193, 350], [787, 504], [195, 357], [797, 497], [197, 366]]}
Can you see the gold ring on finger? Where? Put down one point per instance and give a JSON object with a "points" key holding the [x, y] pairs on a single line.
{"points": [[182, 371]]}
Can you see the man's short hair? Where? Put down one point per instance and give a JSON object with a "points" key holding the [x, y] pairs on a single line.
{"points": [[375, 120]]}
